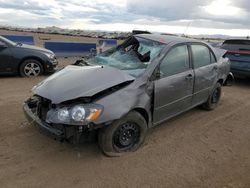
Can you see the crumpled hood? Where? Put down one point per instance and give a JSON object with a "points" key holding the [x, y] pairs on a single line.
{"points": [[74, 81]]}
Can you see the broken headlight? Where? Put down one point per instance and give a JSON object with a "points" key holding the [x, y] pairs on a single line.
{"points": [[75, 115]]}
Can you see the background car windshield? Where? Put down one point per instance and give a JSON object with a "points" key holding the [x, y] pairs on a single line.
{"points": [[236, 45], [7, 41], [133, 58]]}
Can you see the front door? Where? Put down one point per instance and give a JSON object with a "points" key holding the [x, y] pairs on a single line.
{"points": [[5, 58], [174, 88]]}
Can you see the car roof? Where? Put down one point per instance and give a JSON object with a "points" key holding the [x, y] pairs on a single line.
{"points": [[166, 39]]}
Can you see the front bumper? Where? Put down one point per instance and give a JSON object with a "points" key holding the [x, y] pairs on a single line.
{"points": [[51, 66], [43, 126], [71, 133]]}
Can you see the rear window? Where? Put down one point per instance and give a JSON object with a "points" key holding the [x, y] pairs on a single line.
{"points": [[238, 42], [236, 45]]}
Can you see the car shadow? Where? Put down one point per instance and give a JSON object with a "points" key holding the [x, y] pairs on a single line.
{"points": [[242, 82], [9, 76], [86, 149]]}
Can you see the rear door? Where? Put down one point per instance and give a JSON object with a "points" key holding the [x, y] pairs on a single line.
{"points": [[5, 57], [174, 88], [205, 70]]}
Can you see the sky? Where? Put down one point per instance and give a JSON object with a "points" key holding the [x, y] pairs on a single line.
{"points": [[190, 17]]}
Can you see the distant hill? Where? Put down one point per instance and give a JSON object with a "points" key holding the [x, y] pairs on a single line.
{"points": [[105, 34]]}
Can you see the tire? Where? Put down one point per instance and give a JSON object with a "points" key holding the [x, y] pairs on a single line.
{"points": [[230, 80], [124, 135], [31, 67], [214, 98]]}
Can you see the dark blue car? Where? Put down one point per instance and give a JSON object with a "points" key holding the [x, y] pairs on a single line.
{"points": [[25, 60], [239, 55]]}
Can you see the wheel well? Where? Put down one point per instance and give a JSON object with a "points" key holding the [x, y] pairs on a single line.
{"points": [[31, 57], [143, 112], [220, 81]]}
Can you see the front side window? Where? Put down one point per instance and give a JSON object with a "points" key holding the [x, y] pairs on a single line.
{"points": [[176, 61], [201, 55]]}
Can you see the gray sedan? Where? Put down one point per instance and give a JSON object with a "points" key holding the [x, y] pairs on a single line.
{"points": [[124, 91]]}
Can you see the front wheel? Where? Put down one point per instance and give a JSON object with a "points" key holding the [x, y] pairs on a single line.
{"points": [[124, 135], [214, 98], [31, 67]]}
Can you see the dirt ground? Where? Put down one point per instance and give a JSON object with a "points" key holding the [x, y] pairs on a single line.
{"points": [[196, 149]]}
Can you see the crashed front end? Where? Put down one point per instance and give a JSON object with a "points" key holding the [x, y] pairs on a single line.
{"points": [[80, 99], [65, 108], [62, 122]]}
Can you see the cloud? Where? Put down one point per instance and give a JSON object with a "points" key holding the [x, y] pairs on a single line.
{"points": [[124, 14], [228, 11], [168, 11]]}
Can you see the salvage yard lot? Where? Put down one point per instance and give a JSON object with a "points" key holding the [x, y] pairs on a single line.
{"points": [[196, 149]]}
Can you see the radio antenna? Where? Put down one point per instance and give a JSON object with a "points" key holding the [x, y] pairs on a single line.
{"points": [[187, 27]]}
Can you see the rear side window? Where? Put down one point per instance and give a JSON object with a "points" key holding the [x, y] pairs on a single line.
{"points": [[176, 61], [201, 55]]}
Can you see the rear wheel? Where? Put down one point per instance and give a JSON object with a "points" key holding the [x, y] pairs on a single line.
{"points": [[31, 67], [214, 98], [230, 80], [124, 135]]}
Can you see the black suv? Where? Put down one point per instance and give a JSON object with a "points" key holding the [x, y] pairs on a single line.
{"points": [[25, 59], [239, 55]]}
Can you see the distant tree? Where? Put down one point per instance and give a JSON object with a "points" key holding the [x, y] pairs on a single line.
{"points": [[247, 37]]}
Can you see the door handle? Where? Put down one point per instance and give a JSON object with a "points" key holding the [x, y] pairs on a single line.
{"points": [[189, 77]]}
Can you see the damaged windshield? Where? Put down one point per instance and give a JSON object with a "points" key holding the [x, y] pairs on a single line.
{"points": [[133, 56]]}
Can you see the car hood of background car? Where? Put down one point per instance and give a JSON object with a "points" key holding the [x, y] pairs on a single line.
{"points": [[74, 82], [31, 47]]}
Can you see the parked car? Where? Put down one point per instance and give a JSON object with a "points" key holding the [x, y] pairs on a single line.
{"points": [[26, 60], [124, 91], [238, 51]]}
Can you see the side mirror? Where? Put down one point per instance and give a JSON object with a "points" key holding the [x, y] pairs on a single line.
{"points": [[156, 74], [93, 52], [3, 46]]}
